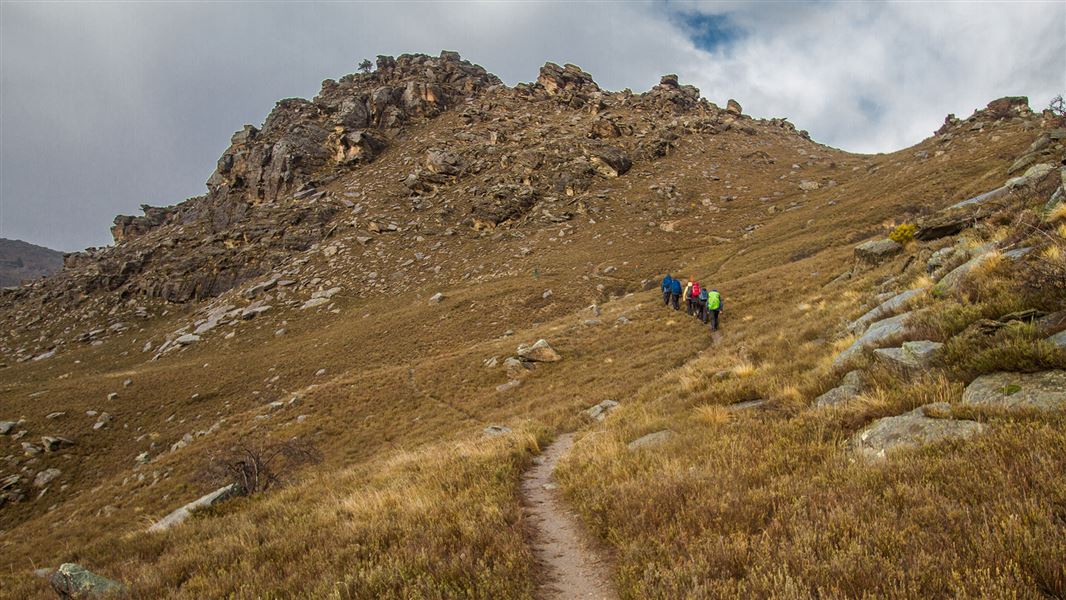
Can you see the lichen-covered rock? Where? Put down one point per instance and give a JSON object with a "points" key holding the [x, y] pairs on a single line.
{"points": [[850, 387], [74, 582], [908, 430], [1041, 391]]}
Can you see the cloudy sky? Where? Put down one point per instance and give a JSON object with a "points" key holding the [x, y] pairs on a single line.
{"points": [[105, 106]]}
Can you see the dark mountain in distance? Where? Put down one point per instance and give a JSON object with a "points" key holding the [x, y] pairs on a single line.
{"points": [[21, 261]]}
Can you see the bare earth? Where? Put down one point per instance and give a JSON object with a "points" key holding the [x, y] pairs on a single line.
{"points": [[573, 568]]}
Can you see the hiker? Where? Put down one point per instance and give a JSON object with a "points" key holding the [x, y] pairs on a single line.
{"points": [[714, 306], [687, 295], [704, 314], [668, 282], [697, 310], [675, 293]]}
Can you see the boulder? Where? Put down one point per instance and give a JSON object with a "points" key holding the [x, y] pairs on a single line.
{"points": [[75, 582], [909, 430], [877, 251], [601, 410], [1040, 391], [7, 426], [809, 186], [178, 516], [651, 439], [495, 430], [1032, 175], [876, 336], [436, 298], [733, 107], [539, 352], [885, 309]]}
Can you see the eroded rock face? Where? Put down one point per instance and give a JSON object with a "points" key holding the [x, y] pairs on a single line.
{"points": [[1039, 391]]}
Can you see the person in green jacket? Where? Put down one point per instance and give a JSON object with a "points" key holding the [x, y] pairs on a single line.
{"points": [[714, 307]]}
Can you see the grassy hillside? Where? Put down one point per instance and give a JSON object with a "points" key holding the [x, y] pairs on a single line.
{"points": [[413, 500]]}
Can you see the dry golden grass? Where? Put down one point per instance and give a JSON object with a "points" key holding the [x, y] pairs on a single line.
{"points": [[412, 501]]}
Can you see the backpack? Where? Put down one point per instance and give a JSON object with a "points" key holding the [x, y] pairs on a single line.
{"points": [[695, 290], [703, 295], [714, 301]]}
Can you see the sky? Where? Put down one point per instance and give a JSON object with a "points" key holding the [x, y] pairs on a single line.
{"points": [[107, 106]]}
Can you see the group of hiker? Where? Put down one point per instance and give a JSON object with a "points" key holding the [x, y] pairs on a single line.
{"points": [[700, 302]]}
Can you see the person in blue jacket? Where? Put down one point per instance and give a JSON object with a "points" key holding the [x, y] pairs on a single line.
{"points": [[667, 284], [675, 293]]}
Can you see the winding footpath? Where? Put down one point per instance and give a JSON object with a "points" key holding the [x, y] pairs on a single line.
{"points": [[573, 569]]}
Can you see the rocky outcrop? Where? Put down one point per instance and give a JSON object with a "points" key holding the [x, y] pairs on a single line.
{"points": [[128, 228], [568, 80], [1037, 391]]}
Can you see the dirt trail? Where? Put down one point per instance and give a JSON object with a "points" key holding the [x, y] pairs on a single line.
{"points": [[573, 568]]}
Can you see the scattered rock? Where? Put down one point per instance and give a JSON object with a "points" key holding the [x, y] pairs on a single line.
{"points": [[651, 439], [877, 251], [495, 430], [876, 336], [510, 385], [55, 443], [178, 516], [850, 387], [7, 426], [601, 410], [1041, 391], [436, 298], [746, 404], [539, 352], [313, 302], [188, 338], [75, 582], [809, 186], [45, 477], [910, 356], [883, 310]]}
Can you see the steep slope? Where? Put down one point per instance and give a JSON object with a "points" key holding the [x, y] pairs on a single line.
{"points": [[298, 299], [20, 261]]}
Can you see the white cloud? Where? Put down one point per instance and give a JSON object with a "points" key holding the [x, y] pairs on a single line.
{"points": [[106, 106]]}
